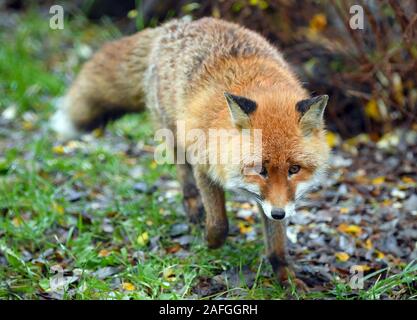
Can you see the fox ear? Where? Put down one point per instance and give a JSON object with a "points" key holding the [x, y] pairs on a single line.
{"points": [[312, 111], [240, 108]]}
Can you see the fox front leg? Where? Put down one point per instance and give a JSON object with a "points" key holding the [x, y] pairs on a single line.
{"points": [[217, 225], [275, 242]]}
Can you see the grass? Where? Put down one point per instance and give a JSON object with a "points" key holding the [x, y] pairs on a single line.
{"points": [[75, 206]]}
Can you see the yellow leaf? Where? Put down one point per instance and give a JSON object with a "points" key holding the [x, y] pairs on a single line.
{"points": [[332, 139], [128, 286], [407, 179], [387, 202], [58, 208], [143, 239], [103, 253], [153, 165], [379, 254], [169, 274], [58, 149], [378, 180], [363, 267], [351, 229], [344, 210], [372, 111], [342, 256], [368, 244], [318, 22], [243, 228]]}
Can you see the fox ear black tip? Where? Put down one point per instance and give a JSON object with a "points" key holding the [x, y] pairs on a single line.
{"points": [[246, 105]]}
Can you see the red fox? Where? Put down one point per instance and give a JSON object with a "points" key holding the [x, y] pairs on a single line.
{"points": [[211, 73]]}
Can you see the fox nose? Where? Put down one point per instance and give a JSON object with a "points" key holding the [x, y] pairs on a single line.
{"points": [[278, 214]]}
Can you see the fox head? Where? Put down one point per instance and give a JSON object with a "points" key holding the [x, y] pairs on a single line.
{"points": [[294, 150]]}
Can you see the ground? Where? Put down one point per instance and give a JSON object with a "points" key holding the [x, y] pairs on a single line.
{"points": [[96, 218]]}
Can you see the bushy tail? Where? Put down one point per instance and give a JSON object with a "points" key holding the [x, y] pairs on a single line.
{"points": [[109, 85]]}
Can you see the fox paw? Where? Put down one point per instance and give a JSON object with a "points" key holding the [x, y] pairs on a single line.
{"points": [[216, 235], [287, 278]]}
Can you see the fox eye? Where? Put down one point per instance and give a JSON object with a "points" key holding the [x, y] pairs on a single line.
{"points": [[295, 168], [263, 172]]}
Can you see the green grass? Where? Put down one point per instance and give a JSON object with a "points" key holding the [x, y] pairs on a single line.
{"points": [[41, 228]]}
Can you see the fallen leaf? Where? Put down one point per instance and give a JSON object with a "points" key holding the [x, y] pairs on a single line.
{"points": [[350, 229], [172, 249], [58, 149], [411, 204], [368, 244], [103, 253], [128, 286], [143, 239], [344, 210], [243, 228], [342, 256], [379, 254], [179, 229], [105, 272], [332, 139], [408, 180], [184, 240], [363, 267], [377, 181], [169, 274], [318, 22], [372, 111]]}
